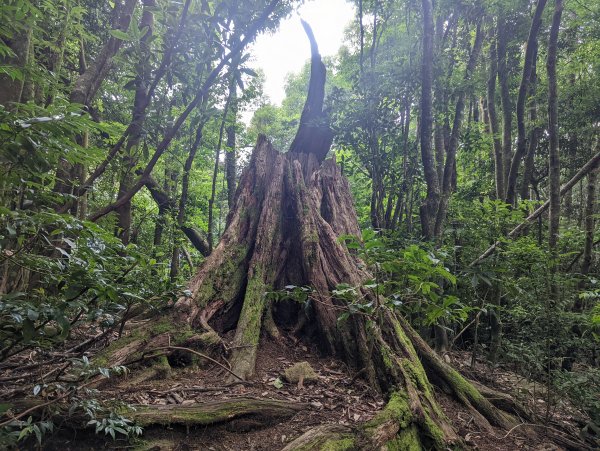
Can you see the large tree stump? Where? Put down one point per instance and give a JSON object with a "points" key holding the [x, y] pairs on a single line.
{"points": [[283, 229]]}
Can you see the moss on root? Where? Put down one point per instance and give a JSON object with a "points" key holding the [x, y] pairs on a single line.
{"points": [[263, 411], [397, 410], [342, 444], [406, 440]]}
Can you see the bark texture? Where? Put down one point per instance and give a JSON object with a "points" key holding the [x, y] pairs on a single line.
{"points": [[429, 207], [554, 159]]}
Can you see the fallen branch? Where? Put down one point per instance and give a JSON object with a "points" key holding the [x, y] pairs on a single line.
{"points": [[257, 411]]}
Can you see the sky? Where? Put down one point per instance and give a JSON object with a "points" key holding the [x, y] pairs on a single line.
{"points": [[288, 49]]}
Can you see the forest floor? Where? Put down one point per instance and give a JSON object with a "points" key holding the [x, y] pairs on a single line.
{"points": [[337, 397]]}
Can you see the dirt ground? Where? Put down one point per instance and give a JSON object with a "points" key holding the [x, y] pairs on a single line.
{"points": [[337, 397]]}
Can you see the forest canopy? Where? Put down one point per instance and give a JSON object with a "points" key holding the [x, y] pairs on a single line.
{"points": [[444, 176]]}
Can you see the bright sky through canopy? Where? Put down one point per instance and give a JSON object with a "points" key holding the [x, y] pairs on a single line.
{"points": [[288, 49]]}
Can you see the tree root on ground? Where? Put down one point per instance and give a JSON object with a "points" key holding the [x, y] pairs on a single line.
{"points": [[247, 413]]}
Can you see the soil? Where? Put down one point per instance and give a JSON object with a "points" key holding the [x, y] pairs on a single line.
{"points": [[337, 397]]}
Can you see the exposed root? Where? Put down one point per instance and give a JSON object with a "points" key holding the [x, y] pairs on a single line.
{"points": [[254, 412], [325, 437]]}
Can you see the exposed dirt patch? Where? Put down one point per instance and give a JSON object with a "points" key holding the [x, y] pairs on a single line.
{"points": [[338, 396]]}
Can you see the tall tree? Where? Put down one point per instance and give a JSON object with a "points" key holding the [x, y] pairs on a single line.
{"points": [[530, 52], [450, 164], [429, 206], [131, 154], [493, 119], [554, 157]]}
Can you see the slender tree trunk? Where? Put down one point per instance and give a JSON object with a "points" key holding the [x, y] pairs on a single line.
{"points": [[534, 134], [429, 207], [131, 155], [493, 122], [554, 154], [590, 221], [231, 165], [211, 201], [450, 166], [511, 187], [503, 78], [55, 62], [554, 157]]}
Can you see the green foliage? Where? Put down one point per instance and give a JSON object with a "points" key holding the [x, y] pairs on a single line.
{"points": [[81, 276], [411, 279], [80, 400]]}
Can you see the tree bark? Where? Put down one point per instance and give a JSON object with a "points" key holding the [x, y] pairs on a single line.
{"points": [[211, 200], [554, 157], [429, 206], [11, 89], [530, 52], [493, 122], [507, 112], [590, 222], [130, 157], [231, 165], [529, 167]]}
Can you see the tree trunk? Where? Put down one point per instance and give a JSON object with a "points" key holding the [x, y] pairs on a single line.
{"points": [[554, 157], [11, 89], [450, 165], [283, 230], [530, 53], [429, 207], [590, 222], [493, 122], [503, 78], [231, 165], [130, 157], [211, 200]]}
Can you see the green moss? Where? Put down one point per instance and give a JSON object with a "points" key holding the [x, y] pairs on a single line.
{"points": [[252, 311], [397, 410], [163, 326], [406, 440], [342, 444], [162, 367]]}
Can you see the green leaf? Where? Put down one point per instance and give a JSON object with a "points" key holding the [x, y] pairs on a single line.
{"points": [[120, 35]]}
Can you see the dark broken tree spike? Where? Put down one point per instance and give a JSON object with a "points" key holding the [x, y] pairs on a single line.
{"points": [[314, 134]]}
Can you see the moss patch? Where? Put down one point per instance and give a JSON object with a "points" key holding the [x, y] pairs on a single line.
{"points": [[396, 410], [342, 444], [406, 440]]}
